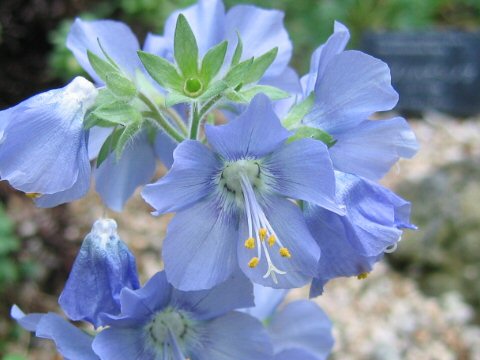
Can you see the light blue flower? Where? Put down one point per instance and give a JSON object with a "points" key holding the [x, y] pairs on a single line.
{"points": [[102, 268], [352, 244], [233, 207], [349, 86], [298, 331], [160, 322], [260, 30], [43, 150]]}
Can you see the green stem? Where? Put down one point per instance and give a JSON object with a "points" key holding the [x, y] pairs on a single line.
{"points": [[160, 119], [178, 120], [195, 122]]}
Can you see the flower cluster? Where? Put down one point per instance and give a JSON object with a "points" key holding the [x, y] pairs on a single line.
{"points": [[273, 180]]}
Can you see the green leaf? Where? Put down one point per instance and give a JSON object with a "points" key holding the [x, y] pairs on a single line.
{"points": [[175, 98], [118, 113], [161, 71], [108, 146], [185, 48], [213, 61], [235, 96], [298, 112], [237, 55], [214, 89], [259, 66], [101, 67], [313, 133], [127, 135], [237, 73], [272, 92], [120, 86]]}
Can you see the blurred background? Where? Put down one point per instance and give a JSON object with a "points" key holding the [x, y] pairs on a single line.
{"points": [[423, 302]]}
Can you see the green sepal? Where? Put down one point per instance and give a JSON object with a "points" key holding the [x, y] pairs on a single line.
{"points": [[118, 113], [298, 112], [237, 55], [272, 92], [213, 61], [120, 86], [101, 67], [235, 96], [313, 133], [185, 48], [259, 66], [214, 89], [161, 71], [237, 73], [127, 134], [108, 146], [174, 98]]}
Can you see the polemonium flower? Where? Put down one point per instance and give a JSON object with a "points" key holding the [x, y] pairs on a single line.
{"points": [[260, 30], [299, 331], [352, 244], [233, 203], [43, 150], [160, 322], [349, 86], [71, 342], [102, 268]]}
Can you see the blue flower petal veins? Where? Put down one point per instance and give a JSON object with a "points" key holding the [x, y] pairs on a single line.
{"points": [[44, 144]]}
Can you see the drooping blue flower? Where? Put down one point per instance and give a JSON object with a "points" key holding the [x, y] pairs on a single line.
{"points": [[349, 86], [260, 30], [160, 322], [233, 207], [43, 150], [102, 268], [71, 342], [299, 331], [352, 244]]}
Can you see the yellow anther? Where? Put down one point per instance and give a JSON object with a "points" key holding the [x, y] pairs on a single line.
{"points": [[262, 233], [250, 243], [362, 276], [285, 252], [253, 262], [271, 240], [33, 195]]}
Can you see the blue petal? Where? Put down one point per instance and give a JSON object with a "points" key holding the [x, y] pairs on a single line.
{"points": [[232, 337], [235, 293], [71, 342], [123, 344], [117, 180], [295, 354], [159, 45], [103, 267], [288, 81], [4, 120], [77, 191], [266, 301], [298, 178], [164, 148], [96, 138], [116, 39], [255, 133], [302, 325], [202, 254], [44, 145], [287, 221], [207, 20], [322, 56], [354, 86], [190, 179], [260, 30], [28, 322], [372, 147]]}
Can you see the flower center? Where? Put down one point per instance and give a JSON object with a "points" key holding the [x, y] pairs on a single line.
{"points": [[240, 178], [169, 330]]}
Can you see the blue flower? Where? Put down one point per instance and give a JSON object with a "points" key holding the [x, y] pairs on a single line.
{"points": [[352, 244], [43, 149], [233, 207], [102, 268], [160, 322], [71, 342], [260, 30], [298, 331], [349, 86]]}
